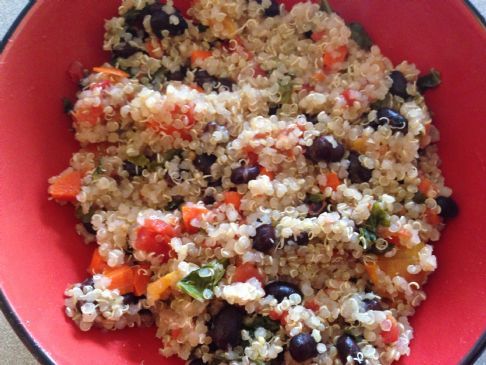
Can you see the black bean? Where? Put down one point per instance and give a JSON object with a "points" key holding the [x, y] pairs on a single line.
{"points": [[448, 207], [399, 85], [130, 298], [203, 163], [227, 326], [273, 109], [161, 21], [391, 118], [89, 227], [132, 169], [265, 238], [279, 360], [315, 209], [243, 174], [178, 75], [202, 77], [281, 289], [272, 10], [302, 239], [347, 346], [307, 34], [322, 149], [303, 347], [208, 200], [88, 282], [67, 105], [125, 50], [134, 18], [429, 81], [202, 28], [372, 304], [311, 118], [224, 83], [357, 173]]}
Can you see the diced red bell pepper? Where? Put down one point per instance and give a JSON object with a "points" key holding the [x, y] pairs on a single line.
{"points": [[154, 236]]}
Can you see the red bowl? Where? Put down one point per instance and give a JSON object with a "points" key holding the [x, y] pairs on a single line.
{"points": [[41, 253]]}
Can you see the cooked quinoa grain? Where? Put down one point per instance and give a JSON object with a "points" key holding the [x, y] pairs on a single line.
{"points": [[260, 183]]}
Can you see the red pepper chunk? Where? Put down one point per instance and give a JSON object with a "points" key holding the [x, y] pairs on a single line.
{"points": [[154, 236], [247, 271]]}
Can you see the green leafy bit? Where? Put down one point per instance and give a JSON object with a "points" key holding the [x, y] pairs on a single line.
{"points": [[200, 283], [98, 171], [140, 160], [368, 232], [419, 198], [84, 217], [285, 91], [324, 6], [314, 198], [253, 322], [360, 36], [429, 81]]}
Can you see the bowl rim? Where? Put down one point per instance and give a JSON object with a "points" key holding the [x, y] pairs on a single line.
{"points": [[41, 354]]}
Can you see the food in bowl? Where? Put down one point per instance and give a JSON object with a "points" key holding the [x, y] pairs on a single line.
{"points": [[261, 184]]}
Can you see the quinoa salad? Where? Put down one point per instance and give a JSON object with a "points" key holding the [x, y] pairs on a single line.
{"points": [[258, 182]]}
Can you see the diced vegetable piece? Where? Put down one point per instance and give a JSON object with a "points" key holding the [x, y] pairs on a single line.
{"points": [[190, 212], [360, 36], [330, 59], [247, 271], [432, 218], [199, 56], [121, 278], [332, 180], [425, 185], [66, 186], [317, 35], [372, 270], [158, 288], [270, 174], [199, 284], [391, 335], [111, 71], [97, 264], [397, 264], [232, 197], [348, 96], [154, 236], [141, 278], [91, 115]]}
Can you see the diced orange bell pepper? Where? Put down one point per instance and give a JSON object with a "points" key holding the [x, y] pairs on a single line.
{"points": [[121, 278], [332, 180], [157, 288], [397, 264], [190, 212], [97, 264], [264, 171], [330, 59], [432, 218], [199, 56], [141, 278], [232, 197], [111, 71], [91, 115], [425, 185], [66, 186]]}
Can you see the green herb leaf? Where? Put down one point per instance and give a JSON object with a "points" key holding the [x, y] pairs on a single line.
{"points": [[285, 91], [367, 234], [84, 217], [324, 6], [67, 105], [429, 81], [99, 171], [360, 36], [314, 198], [140, 160], [378, 217], [200, 283], [253, 322]]}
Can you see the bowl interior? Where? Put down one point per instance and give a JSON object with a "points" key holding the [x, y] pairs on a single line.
{"points": [[41, 252]]}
